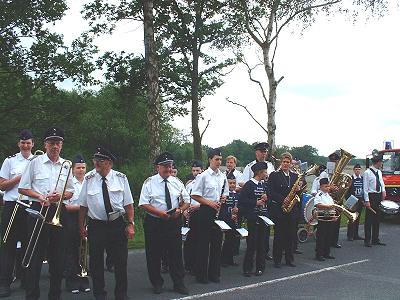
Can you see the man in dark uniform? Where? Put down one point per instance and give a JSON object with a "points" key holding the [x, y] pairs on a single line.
{"points": [[357, 191], [10, 175], [374, 193], [40, 183], [280, 184], [161, 197], [106, 199]]}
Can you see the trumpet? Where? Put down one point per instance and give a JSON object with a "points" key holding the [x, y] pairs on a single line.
{"points": [[83, 257], [41, 217], [18, 203]]}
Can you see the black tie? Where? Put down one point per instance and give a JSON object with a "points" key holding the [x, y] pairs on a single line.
{"points": [[377, 183], [167, 196], [106, 197]]}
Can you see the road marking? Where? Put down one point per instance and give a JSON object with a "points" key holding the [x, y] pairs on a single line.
{"points": [[259, 284]]}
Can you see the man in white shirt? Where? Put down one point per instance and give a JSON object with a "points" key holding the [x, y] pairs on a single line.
{"points": [[10, 176], [261, 155], [374, 193], [105, 198], [211, 187], [164, 198], [43, 181]]}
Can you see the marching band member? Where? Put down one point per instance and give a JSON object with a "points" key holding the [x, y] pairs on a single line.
{"points": [[325, 229], [252, 203], [228, 216], [10, 176], [231, 162], [358, 191], [374, 193], [73, 282], [280, 184], [160, 197], [192, 216], [38, 182], [105, 197], [210, 188], [261, 155], [319, 174]]}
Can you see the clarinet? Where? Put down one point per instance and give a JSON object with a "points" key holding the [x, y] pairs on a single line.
{"points": [[222, 192]]}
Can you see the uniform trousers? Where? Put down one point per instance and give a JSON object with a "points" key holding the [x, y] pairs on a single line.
{"points": [[284, 231], [335, 231], [8, 251], [255, 246], [189, 246], [324, 238], [352, 227], [372, 220], [72, 249], [51, 243], [161, 235], [228, 244], [208, 246], [111, 235]]}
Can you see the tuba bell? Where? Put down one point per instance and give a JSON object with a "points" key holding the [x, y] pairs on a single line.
{"points": [[339, 179]]}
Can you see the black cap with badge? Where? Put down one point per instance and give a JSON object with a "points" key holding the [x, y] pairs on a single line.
{"points": [[103, 153], [214, 152], [197, 164], [164, 158], [261, 146], [54, 133], [25, 134], [79, 159], [258, 166]]}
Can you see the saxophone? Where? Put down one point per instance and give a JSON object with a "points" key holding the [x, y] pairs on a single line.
{"points": [[293, 196], [339, 179]]}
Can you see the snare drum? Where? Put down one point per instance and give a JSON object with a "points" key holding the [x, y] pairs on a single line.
{"points": [[304, 199], [351, 203], [309, 218], [389, 207]]}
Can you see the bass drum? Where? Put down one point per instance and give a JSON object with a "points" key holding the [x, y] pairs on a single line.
{"points": [[389, 207], [308, 212], [304, 199]]}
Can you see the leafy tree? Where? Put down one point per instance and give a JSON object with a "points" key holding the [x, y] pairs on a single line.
{"points": [[261, 23]]}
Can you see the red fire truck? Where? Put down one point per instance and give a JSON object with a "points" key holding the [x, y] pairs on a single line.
{"points": [[390, 171]]}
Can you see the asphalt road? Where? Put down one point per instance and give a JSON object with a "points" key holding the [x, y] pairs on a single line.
{"points": [[356, 273]]}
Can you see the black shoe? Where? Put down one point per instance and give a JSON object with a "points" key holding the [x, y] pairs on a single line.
{"points": [[181, 289], [319, 258], [350, 239], [234, 264], [379, 243], [277, 265], [214, 279], [258, 272], [201, 280], [110, 268], [5, 291], [247, 274], [337, 246], [367, 245], [297, 252], [268, 257], [358, 238], [329, 257], [157, 289], [290, 264]]}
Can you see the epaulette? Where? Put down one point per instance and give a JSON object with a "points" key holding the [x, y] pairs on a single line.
{"points": [[320, 194], [120, 174], [147, 180], [87, 177], [12, 155]]}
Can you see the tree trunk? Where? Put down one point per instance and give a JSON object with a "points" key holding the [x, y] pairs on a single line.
{"points": [[271, 125], [195, 108], [153, 94]]}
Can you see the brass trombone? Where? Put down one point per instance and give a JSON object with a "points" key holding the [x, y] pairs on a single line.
{"points": [[41, 216], [83, 257], [18, 202]]}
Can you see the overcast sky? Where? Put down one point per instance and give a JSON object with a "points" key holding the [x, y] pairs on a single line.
{"points": [[340, 88]]}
